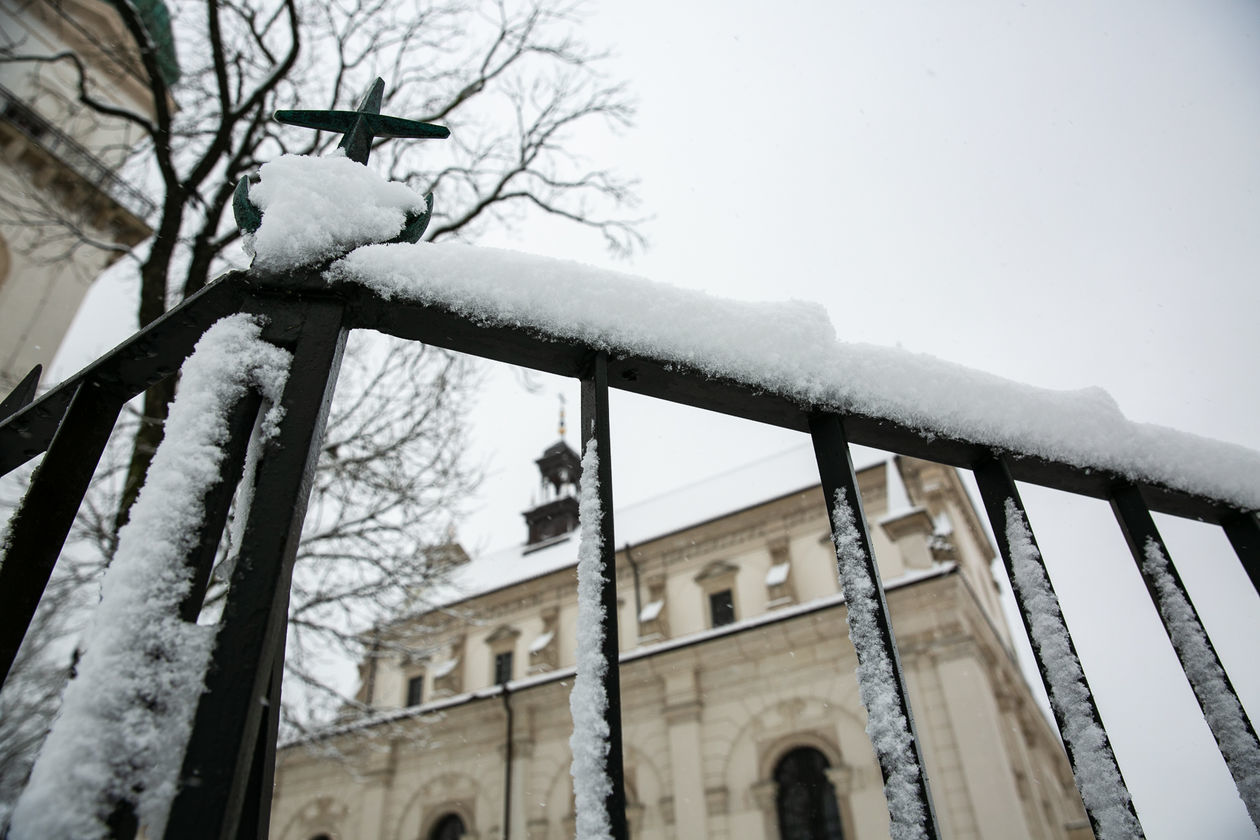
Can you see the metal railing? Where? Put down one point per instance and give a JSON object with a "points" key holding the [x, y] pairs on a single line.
{"points": [[226, 776], [70, 152]]}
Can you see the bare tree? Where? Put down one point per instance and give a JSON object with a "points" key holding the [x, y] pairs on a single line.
{"points": [[514, 84], [511, 81]]}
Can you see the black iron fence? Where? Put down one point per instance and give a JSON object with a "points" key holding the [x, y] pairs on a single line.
{"points": [[225, 780]]}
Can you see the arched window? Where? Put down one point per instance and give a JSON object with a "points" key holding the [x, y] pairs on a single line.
{"points": [[450, 827], [805, 800]]}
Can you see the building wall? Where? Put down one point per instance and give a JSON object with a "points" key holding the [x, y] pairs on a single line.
{"points": [[707, 713], [60, 219]]}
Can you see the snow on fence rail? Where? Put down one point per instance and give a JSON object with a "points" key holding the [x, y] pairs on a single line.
{"points": [[792, 349]]}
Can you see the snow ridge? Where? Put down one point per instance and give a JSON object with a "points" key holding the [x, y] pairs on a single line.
{"points": [[886, 726], [1097, 776], [126, 716], [1224, 715], [588, 701], [791, 349]]}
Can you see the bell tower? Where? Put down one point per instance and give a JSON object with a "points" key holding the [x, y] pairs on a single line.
{"points": [[559, 471]]}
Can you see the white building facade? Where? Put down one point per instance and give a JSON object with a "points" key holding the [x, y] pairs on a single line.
{"points": [[739, 703], [65, 213]]}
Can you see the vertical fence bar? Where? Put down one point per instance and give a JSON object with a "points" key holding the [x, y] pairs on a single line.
{"points": [[215, 778], [22, 395], [1243, 532], [255, 821], [218, 502], [38, 528], [1223, 712], [839, 483], [595, 427], [1098, 778]]}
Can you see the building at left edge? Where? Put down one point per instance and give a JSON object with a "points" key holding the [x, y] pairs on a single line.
{"points": [[66, 212], [740, 709]]}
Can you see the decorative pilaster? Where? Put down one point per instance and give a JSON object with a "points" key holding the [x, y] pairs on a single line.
{"points": [[682, 715]]}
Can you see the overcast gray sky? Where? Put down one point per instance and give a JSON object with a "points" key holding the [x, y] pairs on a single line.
{"points": [[1066, 194], [1063, 193]]}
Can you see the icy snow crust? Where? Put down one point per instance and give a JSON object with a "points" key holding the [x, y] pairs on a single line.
{"points": [[791, 349], [588, 701], [1224, 715], [125, 718], [886, 726], [318, 208], [1097, 776]]}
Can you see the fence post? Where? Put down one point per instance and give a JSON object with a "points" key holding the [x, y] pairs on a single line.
{"points": [[241, 698], [1243, 532], [595, 427], [839, 484], [1211, 685], [1098, 777], [38, 528]]}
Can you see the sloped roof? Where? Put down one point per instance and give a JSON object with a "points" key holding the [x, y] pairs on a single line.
{"points": [[736, 489]]}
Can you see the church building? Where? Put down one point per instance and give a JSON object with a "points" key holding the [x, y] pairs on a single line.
{"points": [[739, 702]]}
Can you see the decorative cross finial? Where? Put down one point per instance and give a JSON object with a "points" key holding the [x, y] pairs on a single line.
{"points": [[364, 124], [360, 127]]}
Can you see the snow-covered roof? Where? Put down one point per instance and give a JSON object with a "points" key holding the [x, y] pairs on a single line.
{"points": [[728, 492]]}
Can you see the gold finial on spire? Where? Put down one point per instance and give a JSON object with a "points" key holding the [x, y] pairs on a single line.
{"points": [[561, 396]]}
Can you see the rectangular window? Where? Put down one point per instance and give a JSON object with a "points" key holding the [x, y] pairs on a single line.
{"points": [[502, 667], [722, 608], [415, 690]]}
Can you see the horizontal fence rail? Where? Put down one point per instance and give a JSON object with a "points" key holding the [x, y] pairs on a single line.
{"points": [[230, 753]]}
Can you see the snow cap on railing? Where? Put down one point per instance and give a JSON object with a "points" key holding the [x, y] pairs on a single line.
{"points": [[788, 348]]}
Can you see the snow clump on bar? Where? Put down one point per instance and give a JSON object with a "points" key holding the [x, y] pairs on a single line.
{"points": [[588, 702], [318, 208], [886, 726], [1224, 715], [125, 720], [1097, 776]]}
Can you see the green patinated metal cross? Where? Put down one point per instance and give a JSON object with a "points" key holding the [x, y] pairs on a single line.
{"points": [[364, 124], [360, 128]]}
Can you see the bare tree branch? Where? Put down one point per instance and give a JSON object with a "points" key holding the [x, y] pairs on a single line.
{"points": [[519, 90]]}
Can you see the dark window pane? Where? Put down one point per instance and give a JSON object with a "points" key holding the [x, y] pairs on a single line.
{"points": [[806, 802], [722, 608], [415, 691], [502, 667]]}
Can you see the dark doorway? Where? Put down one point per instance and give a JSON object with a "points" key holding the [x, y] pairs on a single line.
{"points": [[450, 827], [806, 802]]}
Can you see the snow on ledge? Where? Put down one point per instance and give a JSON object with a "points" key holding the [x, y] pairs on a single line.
{"points": [[791, 348]]}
